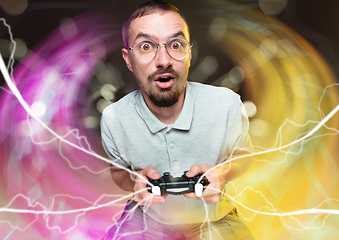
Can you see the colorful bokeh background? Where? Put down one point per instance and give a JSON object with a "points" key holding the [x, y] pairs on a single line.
{"points": [[65, 60]]}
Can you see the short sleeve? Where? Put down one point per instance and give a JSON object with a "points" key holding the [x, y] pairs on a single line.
{"points": [[109, 143], [240, 129]]}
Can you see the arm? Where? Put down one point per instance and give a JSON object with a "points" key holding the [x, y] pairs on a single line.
{"points": [[231, 169], [137, 184], [219, 175], [228, 169], [122, 178]]}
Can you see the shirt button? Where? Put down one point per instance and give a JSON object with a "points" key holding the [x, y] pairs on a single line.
{"points": [[175, 162], [172, 145]]}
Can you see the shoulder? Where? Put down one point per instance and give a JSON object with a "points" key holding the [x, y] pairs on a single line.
{"points": [[213, 95], [120, 109], [121, 105]]}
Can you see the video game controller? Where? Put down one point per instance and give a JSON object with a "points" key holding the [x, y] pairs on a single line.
{"points": [[178, 185]]}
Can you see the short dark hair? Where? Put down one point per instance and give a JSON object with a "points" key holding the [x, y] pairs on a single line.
{"points": [[146, 9]]}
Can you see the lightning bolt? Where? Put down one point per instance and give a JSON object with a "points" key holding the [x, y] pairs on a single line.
{"points": [[95, 205]]}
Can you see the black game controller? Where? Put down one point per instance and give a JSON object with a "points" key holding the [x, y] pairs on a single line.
{"points": [[178, 185]]}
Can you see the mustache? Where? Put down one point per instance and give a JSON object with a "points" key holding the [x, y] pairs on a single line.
{"points": [[162, 71]]}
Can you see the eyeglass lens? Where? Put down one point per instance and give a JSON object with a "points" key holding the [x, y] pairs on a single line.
{"points": [[145, 50]]}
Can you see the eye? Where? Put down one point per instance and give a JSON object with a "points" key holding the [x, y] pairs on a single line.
{"points": [[146, 46], [176, 45]]}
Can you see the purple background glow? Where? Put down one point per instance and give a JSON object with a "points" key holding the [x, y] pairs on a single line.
{"points": [[77, 70]]}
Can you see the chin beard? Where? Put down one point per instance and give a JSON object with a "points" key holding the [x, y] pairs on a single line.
{"points": [[164, 99]]}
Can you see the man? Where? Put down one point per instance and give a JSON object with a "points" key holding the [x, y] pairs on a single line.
{"points": [[172, 125]]}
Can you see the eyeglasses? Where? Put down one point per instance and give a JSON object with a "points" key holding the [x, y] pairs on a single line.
{"points": [[145, 50]]}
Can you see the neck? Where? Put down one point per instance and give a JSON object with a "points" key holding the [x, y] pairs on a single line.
{"points": [[167, 115]]}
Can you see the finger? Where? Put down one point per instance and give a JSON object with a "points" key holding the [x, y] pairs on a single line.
{"points": [[211, 195], [148, 199], [143, 176], [194, 170], [208, 198], [190, 195], [140, 182], [151, 173], [158, 199]]}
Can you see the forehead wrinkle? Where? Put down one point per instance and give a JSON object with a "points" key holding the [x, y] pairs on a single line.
{"points": [[142, 26]]}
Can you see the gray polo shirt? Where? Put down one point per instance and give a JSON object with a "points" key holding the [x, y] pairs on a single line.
{"points": [[211, 125]]}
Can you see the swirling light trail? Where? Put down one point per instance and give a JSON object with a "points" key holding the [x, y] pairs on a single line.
{"points": [[263, 48]]}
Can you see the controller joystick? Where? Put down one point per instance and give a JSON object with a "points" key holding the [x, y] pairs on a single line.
{"points": [[178, 185]]}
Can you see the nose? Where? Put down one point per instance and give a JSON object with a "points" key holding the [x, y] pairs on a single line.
{"points": [[162, 58]]}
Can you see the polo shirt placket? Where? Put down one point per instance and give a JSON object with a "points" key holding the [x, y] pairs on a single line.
{"points": [[170, 132], [174, 159]]}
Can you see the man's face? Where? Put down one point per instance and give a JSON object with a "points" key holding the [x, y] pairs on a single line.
{"points": [[163, 79]]}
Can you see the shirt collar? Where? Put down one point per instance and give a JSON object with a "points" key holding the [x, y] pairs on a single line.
{"points": [[155, 125]]}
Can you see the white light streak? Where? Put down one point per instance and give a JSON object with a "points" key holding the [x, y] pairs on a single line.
{"points": [[95, 205]]}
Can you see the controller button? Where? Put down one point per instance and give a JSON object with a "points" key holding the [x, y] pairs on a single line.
{"points": [[198, 188], [156, 190]]}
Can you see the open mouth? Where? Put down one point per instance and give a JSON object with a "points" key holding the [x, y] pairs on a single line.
{"points": [[165, 79]]}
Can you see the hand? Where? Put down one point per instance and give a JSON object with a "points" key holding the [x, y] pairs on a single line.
{"points": [[142, 196], [216, 180]]}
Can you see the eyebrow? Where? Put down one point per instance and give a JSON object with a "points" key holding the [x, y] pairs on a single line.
{"points": [[180, 33], [147, 36], [142, 35]]}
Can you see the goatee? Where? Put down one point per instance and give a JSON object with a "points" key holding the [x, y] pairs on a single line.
{"points": [[165, 99]]}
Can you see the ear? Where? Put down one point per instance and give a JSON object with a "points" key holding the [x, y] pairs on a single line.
{"points": [[125, 56], [190, 57]]}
